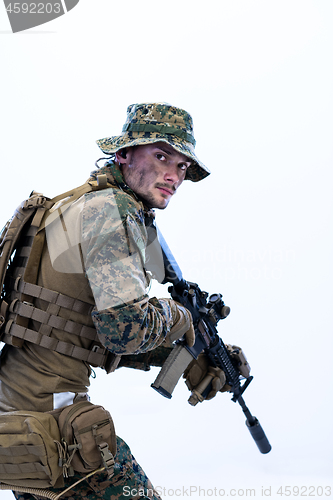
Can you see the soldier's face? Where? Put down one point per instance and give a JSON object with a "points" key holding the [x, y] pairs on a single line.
{"points": [[154, 172]]}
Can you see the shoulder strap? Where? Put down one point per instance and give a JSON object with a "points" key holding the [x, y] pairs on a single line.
{"points": [[57, 206]]}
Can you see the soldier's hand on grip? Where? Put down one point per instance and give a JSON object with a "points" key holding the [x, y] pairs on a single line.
{"points": [[199, 374]]}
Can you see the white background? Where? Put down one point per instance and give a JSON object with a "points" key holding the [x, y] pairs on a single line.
{"points": [[256, 75]]}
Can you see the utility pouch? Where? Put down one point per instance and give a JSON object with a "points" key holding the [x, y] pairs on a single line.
{"points": [[29, 443], [88, 438]]}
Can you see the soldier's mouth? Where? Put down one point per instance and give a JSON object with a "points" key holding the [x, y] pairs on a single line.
{"points": [[166, 190]]}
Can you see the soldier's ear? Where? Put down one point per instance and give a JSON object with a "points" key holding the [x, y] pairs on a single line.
{"points": [[121, 155]]}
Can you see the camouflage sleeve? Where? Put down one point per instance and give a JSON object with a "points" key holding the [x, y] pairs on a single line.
{"points": [[114, 240], [156, 357]]}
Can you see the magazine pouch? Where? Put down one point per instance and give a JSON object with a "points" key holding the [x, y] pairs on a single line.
{"points": [[29, 444], [88, 438]]}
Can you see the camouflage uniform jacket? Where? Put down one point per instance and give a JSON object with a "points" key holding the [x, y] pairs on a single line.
{"points": [[95, 252], [114, 240]]}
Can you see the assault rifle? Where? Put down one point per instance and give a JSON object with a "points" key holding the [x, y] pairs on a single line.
{"points": [[206, 312]]}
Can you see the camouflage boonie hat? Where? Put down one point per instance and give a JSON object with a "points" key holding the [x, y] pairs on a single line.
{"points": [[154, 122]]}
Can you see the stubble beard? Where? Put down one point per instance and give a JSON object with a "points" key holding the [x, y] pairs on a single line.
{"points": [[136, 180], [150, 201]]}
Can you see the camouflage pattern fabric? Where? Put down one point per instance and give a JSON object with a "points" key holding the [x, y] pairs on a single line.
{"points": [[156, 357], [134, 328], [128, 482], [154, 122], [106, 231], [114, 241]]}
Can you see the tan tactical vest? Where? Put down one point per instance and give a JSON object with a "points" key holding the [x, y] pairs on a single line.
{"points": [[32, 307]]}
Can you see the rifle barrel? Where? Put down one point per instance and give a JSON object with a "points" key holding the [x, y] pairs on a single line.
{"points": [[256, 431]]}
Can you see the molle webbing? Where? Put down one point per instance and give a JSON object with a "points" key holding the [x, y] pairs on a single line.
{"points": [[48, 320], [19, 309], [31, 211]]}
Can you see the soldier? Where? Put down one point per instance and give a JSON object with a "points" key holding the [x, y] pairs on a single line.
{"points": [[94, 256]]}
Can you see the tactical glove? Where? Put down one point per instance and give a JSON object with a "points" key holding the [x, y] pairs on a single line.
{"points": [[182, 323], [199, 374]]}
